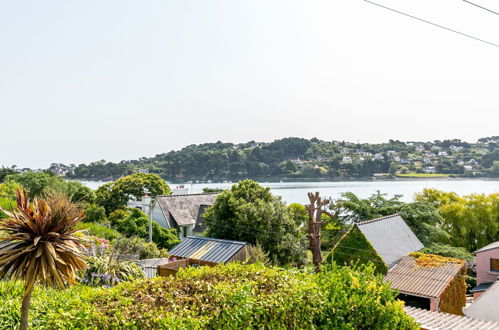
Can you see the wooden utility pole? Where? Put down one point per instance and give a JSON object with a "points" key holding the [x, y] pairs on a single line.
{"points": [[315, 210]]}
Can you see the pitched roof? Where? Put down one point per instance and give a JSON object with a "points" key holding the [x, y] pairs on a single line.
{"points": [[444, 321], [491, 246], [486, 306], [391, 237], [409, 278], [185, 208], [207, 249]]}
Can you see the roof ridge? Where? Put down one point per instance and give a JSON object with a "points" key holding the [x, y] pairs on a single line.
{"points": [[217, 240], [196, 194], [378, 219]]}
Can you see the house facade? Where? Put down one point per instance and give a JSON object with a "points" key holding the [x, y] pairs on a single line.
{"points": [[184, 212], [487, 268]]}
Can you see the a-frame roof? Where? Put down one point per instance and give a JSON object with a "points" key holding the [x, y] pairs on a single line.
{"points": [[391, 237]]}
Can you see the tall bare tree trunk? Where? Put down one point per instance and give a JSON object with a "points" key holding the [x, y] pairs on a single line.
{"points": [[315, 210], [25, 307]]}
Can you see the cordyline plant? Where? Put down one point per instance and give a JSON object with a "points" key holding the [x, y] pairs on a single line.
{"points": [[38, 245]]}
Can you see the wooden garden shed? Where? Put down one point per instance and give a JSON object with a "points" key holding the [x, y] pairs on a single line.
{"points": [[196, 251]]}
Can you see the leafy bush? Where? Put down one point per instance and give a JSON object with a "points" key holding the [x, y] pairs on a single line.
{"points": [[133, 222], [95, 213], [109, 271], [233, 296], [71, 308], [449, 251], [99, 230], [138, 246]]}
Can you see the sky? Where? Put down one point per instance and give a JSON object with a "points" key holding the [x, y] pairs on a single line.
{"points": [[82, 81]]}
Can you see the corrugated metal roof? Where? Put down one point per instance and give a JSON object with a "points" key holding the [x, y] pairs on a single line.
{"points": [[444, 321], [491, 246], [409, 278], [185, 208], [207, 249], [391, 237]]}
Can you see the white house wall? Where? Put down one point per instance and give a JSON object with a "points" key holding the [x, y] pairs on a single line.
{"points": [[159, 217]]}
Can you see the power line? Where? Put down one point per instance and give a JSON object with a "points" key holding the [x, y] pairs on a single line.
{"points": [[431, 23], [477, 5]]}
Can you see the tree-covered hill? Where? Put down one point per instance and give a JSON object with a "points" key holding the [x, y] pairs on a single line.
{"points": [[298, 158]]}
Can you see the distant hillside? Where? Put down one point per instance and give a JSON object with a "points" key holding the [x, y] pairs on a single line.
{"points": [[297, 158]]}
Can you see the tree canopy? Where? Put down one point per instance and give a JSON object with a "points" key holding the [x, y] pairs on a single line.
{"points": [[471, 221], [249, 212], [115, 195]]}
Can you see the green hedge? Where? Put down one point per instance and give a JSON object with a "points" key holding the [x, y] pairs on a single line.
{"points": [[231, 297]]}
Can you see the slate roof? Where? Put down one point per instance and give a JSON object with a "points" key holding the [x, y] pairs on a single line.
{"points": [[207, 249], [185, 209], [391, 237], [409, 278], [491, 246], [444, 321]]}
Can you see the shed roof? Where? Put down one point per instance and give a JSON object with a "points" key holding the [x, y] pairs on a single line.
{"points": [[409, 278], [391, 237], [185, 208], [491, 246], [444, 321], [207, 249]]}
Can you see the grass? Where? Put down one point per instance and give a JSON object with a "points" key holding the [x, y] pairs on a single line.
{"points": [[423, 175]]}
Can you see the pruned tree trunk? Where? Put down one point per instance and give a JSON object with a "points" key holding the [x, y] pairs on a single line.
{"points": [[25, 307], [315, 209]]}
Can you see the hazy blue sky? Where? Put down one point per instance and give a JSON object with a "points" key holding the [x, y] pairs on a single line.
{"points": [[88, 80]]}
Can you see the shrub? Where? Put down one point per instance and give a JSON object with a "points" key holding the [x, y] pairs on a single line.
{"points": [[95, 213], [229, 296], [138, 246], [99, 230], [109, 271], [133, 222]]}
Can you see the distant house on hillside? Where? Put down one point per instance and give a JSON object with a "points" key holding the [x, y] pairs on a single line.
{"points": [[430, 169], [183, 212], [382, 241], [346, 160], [430, 284], [487, 268]]}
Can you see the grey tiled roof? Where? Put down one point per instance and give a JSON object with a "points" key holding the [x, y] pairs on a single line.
{"points": [[185, 208], [390, 237], [207, 249], [444, 321]]}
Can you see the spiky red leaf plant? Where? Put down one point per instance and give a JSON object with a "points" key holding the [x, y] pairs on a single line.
{"points": [[38, 244]]}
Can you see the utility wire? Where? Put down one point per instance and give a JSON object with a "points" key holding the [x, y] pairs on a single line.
{"points": [[431, 23], [477, 5]]}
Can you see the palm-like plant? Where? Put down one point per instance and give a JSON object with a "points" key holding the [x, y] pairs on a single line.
{"points": [[38, 245]]}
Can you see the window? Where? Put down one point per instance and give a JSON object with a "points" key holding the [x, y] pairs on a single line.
{"points": [[494, 265]]}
